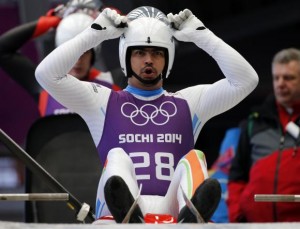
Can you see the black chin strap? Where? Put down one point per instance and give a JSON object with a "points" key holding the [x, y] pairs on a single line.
{"points": [[148, 82]]}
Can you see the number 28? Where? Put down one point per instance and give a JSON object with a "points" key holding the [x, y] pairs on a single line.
{"points": [[160, 165]]}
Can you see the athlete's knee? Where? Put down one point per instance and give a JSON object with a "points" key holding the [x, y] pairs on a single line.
{"points": [[118, 154], [198, 153], [194, 154], [196, 158]]}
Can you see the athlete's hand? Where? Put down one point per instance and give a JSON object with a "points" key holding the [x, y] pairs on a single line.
{"points": [[187, 27], [110, 23], [185, 23]]}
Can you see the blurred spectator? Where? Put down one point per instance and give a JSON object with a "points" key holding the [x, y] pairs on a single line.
{"points": [[267, 158]]}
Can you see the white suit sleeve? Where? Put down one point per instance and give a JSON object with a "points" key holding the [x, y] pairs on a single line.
{"points": [[207, 101], [86, 99]]}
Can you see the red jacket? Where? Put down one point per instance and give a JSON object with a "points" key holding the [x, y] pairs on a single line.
{"points": [[267, 161]]}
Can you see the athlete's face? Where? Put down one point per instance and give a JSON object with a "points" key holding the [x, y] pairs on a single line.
{"points": [[286, 83], [81, 69], [147, 63]]}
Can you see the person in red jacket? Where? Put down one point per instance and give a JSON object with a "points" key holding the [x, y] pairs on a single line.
{"points": [[267, 160]]}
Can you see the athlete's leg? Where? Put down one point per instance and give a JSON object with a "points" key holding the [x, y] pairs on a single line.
{"points": [[204, 192], [190, 175], [190, 172], [118, 164], [194, 172]]}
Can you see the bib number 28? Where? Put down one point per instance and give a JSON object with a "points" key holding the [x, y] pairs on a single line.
{"points": [[164, 165]]}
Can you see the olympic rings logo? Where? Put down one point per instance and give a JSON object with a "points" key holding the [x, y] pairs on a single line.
{"points": [[149, 112]]}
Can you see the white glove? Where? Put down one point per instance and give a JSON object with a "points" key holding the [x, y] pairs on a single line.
{"points": [[185, 19], [185, 23], [188, 28], [110, 24]]}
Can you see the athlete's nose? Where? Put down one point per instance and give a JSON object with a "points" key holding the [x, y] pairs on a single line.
{"points": [[148, 58]]}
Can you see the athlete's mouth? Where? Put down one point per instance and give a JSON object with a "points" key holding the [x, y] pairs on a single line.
{"points": [[148, 70]]}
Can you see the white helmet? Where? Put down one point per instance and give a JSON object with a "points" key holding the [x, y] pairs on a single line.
{"points": [[147, 26], [70, 26]]}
